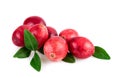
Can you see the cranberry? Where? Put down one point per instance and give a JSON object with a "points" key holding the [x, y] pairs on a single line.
{"points": [[32, 20], [18, 35], [51, 31], [81, 47], [68, 34], [55, 48], [41, 33]]}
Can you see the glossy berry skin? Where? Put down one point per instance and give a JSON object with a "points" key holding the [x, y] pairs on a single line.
{"points": [[32, 20], [41, 34], [18, 35], [68, 34], [55, 48], [81, 47], [51, 31]]}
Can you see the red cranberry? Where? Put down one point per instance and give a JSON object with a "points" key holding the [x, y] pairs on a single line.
{"points": [[81, 47], [68, 34], [55, 48], [51, 31], [18, 35], [41, 33], [32, 20]]}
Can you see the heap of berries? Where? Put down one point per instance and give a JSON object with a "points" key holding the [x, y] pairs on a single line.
{"points": [[56, 47]]}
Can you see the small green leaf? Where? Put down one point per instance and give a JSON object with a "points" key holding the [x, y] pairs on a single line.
{"points": [[30, 41], [36, 62], [22, 53], [41, 50], [69, 58], [101, 53]]}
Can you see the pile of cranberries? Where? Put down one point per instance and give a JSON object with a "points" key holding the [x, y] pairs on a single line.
{"points": [[35, 35], [55, 46]]}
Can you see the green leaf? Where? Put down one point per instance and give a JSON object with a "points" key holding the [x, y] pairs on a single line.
{"points": [[30, 41], [36, 62], [41, 50], [101, 53], [22, 53], [69, 58]]}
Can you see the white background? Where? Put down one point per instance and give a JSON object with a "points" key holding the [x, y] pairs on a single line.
{"points": [[98, 20]]}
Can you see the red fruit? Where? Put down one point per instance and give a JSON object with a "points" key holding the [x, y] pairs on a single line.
{"points": [[32, 20], [41, 33], [68, 34], [51, 31], [18, 35], [55, 48], [81, 47]]}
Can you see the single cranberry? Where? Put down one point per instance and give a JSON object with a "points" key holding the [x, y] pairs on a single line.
{"points": [[81, 47], [68, 34], [18, 35], [32, 20], [55, 48], [51, 31], [41, 33]]}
